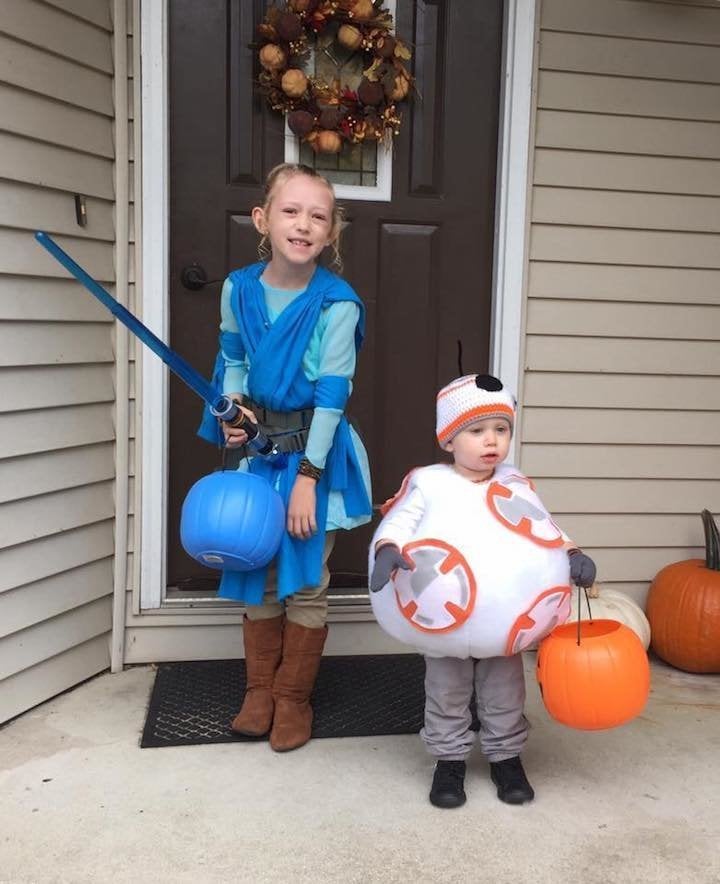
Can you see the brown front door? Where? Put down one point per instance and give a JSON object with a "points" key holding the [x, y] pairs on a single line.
{"points": [[422, 263]]}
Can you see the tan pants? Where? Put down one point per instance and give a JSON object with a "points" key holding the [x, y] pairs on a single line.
{"points": [[308, 607]]}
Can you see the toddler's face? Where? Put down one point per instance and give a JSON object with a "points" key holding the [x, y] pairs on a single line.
{"points": [[479, 448]]}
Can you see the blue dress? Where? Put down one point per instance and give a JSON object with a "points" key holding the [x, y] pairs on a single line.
{"points": [[289, 351]]}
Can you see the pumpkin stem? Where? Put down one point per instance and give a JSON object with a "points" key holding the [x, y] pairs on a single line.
{"points": [[712, 541]]}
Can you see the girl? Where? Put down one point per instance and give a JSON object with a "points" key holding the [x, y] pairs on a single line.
{"points": [[290, 332]]}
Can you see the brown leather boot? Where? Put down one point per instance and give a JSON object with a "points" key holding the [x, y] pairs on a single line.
{"points": [[294, 681], [263, 649]]}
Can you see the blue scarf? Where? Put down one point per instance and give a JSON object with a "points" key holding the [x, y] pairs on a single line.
{"points": [[276, 380]]}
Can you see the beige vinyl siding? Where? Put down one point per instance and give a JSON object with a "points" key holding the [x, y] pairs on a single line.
{"points": [[57, 465], [621, 395]]}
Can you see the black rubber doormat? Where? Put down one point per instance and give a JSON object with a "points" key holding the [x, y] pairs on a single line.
{"points": [[358, 696]]}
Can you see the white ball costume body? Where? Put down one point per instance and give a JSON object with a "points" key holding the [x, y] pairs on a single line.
{"points": [[489, 575]]}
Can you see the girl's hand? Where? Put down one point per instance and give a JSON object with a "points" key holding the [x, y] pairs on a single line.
{"points": [[234, 436], [301, 508]]}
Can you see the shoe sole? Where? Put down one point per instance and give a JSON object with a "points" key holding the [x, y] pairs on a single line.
{"points": [[446, 806], [516, 801], [510, 799]]}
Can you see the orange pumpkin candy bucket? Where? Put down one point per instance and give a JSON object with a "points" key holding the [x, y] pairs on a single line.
{"points": [[593, 674]]}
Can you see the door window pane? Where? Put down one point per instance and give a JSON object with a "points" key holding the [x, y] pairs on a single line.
{"points": [[356, 164]]}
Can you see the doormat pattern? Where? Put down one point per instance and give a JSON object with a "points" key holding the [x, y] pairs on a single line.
{"points": [[358, 696]]}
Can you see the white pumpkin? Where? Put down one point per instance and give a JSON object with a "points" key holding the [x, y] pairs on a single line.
{"points": [[611, 604]]}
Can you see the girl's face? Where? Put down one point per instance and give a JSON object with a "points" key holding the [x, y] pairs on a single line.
{"points": [[479, 448], [298, 220]]}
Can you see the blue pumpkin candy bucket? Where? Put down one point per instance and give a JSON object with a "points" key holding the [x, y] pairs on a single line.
{"points": [[233, 521]]}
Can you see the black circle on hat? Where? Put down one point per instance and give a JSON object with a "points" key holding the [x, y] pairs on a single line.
{"points": [[488, 382]]}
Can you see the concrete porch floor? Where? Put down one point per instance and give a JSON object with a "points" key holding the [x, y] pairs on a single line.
{"points": [[80, 802]]}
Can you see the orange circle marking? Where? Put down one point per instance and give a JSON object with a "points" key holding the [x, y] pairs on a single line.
{"points": [[454, 559], [527, 621], [524, 526]]}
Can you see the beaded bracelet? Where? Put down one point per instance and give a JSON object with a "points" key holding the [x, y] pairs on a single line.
{"points": [[305, 468]]}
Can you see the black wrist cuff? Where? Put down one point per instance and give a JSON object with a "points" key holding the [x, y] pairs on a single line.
{"points": [[306, 468]]}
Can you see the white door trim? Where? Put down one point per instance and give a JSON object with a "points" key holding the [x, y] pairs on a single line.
{"points": [[510, 243], [513, 175], [154, 209]]}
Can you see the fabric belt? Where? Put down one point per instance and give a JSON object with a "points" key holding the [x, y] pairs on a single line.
{"points": [[289, 430], [280, 420], [293, 440]]}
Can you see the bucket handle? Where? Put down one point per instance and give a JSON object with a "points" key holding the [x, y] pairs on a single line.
{"points": [[587, 602]]}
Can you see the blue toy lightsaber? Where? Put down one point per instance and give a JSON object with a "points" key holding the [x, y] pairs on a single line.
{"points": [[223, 407]]}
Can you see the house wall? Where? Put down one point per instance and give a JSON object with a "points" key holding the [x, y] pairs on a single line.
{"points": [[620, 405], [621, 400], [57, 348]]}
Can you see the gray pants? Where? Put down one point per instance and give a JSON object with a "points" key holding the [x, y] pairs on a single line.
{"points": [[499, 684]]}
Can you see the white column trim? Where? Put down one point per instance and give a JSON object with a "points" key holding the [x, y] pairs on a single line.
{"points": [[513, 190], [154, 307]]}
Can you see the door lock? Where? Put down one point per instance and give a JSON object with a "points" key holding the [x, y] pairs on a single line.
{"points": [[194, 277]]}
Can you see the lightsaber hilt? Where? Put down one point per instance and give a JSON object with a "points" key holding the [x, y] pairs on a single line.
{"points": [[229, 412]]}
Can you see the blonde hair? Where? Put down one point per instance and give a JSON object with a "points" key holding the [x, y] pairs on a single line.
{"points": [[278, 176]]}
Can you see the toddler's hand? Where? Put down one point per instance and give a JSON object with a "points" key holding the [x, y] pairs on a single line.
{"points": [[387, 560], [582, 568]]}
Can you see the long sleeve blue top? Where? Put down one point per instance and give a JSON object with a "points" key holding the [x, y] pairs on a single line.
{"points": [[331, 351]]}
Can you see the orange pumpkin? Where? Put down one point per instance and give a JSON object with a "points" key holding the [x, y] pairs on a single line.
{"points": [[328, 141], [602, 681], [683, 607]]}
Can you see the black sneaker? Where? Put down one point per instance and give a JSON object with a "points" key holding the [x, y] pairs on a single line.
{"points": [[512, 784], [447, 785]]}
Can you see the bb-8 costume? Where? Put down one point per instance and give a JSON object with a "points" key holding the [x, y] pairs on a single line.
{"points": [[489, 579]]}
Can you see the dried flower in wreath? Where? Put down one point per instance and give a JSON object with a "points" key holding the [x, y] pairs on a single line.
{"points": [[325, 114]]}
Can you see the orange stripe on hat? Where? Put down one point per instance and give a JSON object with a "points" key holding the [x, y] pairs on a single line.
{"points": [[474, 414]]}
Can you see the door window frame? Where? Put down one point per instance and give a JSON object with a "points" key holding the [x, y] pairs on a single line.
{"points": [[380, 192], [511, 235]]}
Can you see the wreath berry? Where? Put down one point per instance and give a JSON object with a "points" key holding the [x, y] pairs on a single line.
{"points": [[326, 114]]}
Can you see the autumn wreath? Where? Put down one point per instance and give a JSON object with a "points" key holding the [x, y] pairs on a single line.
{"points": [[325, 113]]}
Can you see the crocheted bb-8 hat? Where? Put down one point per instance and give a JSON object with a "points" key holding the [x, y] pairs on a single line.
{"points": [[471, 398]]}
